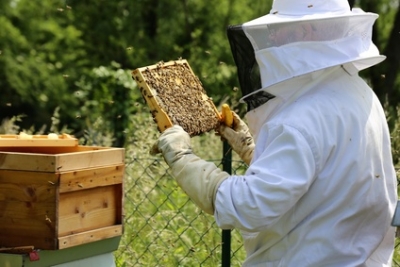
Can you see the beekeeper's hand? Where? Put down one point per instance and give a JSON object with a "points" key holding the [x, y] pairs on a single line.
{"points": [[198, 178], [173, 143], [238, 137]]}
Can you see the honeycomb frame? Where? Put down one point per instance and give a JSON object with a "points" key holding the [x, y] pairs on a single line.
{"points": [[176, 96]]}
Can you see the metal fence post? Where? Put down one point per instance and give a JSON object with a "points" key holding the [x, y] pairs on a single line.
{"points": [[226, 234]]}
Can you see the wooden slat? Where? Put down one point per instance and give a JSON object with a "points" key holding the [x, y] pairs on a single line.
{"points": [[89, 236], [51, 150], [24, 178], [61, 162], [90, 178], [27, 162], [37, 141], [17, 250], [41, 242], [84, 160], [88, 209]]}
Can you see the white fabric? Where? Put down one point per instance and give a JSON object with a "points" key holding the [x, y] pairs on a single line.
{"points": [[303, 36], [277, 64], [305, 7], [199, 179], [327, 43], [288, 11], [321, 188]]}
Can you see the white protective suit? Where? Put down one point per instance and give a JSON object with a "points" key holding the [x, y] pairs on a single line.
{"points": [[321, 188]]}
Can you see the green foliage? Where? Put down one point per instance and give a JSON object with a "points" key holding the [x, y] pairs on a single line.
{"points": [[52, 54], [396, 140], [65, 67], [70, 55], [40, 57], [107, 96]]}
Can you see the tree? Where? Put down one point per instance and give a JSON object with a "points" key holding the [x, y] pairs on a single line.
{"points": [[41, 55], [51, 53], [385, 77]]}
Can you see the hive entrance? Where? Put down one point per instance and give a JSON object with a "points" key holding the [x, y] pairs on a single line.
{"points": [[176, 96]]}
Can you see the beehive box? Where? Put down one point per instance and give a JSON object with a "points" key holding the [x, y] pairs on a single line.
{"points": [[59, 197]]}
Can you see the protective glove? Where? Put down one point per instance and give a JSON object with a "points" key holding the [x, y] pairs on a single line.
{"points": [[198, 178], [238, 137]]}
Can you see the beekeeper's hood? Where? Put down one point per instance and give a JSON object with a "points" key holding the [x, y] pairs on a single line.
{"points": [[298, 37]]}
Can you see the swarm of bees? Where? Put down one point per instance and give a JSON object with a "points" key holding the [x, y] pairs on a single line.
{"points": [[176, 97]]}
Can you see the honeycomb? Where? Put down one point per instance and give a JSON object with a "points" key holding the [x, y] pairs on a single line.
{"points": [[176, 96]]}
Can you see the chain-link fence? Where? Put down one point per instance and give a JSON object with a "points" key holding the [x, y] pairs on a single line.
{"points": [[164, 228], [396, 258]]}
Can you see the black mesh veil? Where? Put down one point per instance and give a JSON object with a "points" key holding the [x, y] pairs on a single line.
{"points": [[243, 54], [247, 67]]}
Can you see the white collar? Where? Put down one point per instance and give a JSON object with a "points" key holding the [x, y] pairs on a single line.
{"points": [[286, 93]]}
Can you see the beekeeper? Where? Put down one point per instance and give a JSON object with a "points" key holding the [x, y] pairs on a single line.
{"points": [[320, 189]]}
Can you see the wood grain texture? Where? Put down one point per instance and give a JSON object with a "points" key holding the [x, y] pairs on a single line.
{"points": [[72, 159], [45, 197]]}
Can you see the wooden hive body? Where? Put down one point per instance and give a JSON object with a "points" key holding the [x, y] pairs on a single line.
{"points": [[59, 197]]}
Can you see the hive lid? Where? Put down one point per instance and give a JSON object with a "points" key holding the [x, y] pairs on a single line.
{"points": [[63, 140], [176, 96]]}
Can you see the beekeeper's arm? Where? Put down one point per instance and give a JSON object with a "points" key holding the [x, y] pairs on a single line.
{"points": [[198, 178], [239, 138]]}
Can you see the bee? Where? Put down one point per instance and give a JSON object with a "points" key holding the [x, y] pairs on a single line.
{"points": [[48, 219]]}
